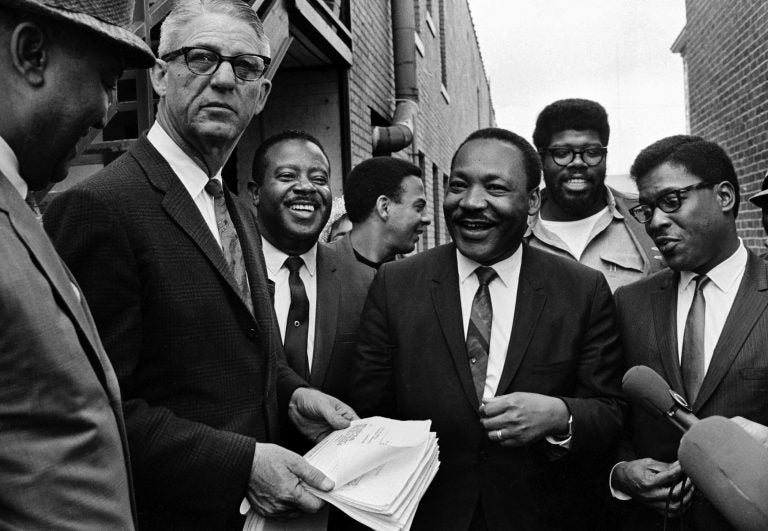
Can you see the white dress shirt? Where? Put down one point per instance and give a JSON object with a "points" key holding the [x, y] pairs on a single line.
{"points": [[503, 290], [719, 294], [192, 176], [9, 166], [278, 273]]}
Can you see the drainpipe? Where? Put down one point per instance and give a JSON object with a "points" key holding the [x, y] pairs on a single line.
{"points": [[399, 135]]}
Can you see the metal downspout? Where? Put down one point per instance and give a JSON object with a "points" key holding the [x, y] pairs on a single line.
{"points": [[399, 135]]}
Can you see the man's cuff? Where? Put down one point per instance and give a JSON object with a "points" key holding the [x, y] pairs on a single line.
{"points": [[616, 493], [563, 441]]}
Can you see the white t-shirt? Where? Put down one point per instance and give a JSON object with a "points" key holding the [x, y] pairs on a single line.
{"points": [[575, 234]]}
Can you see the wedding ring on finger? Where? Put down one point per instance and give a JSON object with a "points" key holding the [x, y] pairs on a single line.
{"points": [[498, 436]]}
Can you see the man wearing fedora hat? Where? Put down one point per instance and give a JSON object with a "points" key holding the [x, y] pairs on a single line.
{"points": [[761, 200], [63, 454]]}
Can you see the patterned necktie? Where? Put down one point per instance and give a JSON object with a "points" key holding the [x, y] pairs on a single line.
{"points": [[479, 329], [230, 243], [692, 359], [297, 327]]}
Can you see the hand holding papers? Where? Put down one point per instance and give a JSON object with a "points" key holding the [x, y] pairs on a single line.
{"points": [[381, 468]]}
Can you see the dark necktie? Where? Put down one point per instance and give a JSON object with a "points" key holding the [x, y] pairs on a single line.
{"points": [[297, 327], [692, 359], [230, 243], [479, 329]]}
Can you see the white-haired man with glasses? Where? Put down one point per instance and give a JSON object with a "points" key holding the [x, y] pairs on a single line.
{"points": [[580, 217], [702, 324], [173, 267]]}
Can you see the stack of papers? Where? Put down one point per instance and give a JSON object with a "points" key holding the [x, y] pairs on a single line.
{"points": [[381, 468]]}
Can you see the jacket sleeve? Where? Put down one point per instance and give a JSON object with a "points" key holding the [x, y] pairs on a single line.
{"points": [[373, 388], [596, 404], [182, 459]]}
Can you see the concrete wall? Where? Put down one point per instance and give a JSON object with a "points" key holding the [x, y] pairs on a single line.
{"points": [[307, 99]]}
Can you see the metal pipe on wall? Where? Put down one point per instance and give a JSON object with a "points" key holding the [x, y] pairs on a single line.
{"points": [[399, 135]]}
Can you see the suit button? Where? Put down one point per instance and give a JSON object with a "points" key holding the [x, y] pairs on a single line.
{"points": [[252, 333]]}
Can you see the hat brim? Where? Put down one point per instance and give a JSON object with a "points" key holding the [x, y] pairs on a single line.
{"points": [[760, 199], [135, 52]]}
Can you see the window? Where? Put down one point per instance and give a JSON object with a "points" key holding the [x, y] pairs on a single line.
{"points": [[436, 202], [443, 68], [424, 241]]}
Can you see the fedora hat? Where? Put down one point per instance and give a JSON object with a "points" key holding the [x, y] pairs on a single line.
{"points": [[107, 19], [761, 198]]}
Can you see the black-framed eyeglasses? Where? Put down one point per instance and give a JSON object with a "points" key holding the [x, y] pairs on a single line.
{"points": [[563, 156], [667, 202], [205, 62]]}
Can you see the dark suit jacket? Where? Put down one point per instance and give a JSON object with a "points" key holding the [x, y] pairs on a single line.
{"points": [[199, 373], [413, 364], [342, 285], [63, 449], [736, 382]]}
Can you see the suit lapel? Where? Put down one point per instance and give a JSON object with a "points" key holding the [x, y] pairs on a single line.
{"points": [[531, 297], [447, 304], [182, 209], [748, 306], [664, 308], [326, 317], [33, 236]]}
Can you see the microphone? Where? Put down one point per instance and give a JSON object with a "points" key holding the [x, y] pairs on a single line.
{"points": [[723, 461], [646, 389], [730, 468]]}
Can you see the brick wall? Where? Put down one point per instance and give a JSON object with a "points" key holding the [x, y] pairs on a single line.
{"points": [[726, 57], [447, 114]]}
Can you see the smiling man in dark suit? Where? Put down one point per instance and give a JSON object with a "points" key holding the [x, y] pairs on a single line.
{"points": [[172, 266], [512, 352], [702, 324], [292, 195]]}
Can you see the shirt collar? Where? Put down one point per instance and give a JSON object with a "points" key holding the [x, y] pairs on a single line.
{"points": [[507, 270], [610, 200], [275, 258], [9, 166], [189, 173], [724, 274]]}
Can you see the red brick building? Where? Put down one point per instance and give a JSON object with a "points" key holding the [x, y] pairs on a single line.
{"points": [[724, 46], [338, 73]]}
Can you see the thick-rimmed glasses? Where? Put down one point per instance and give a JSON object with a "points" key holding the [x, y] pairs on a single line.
{"points": [[563, 156], [205, 62], [667, 202]]}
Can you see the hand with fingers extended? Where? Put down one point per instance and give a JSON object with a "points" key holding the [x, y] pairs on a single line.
{"points": [[278, 476], [519, 419], [649, 481], [317, 414]]}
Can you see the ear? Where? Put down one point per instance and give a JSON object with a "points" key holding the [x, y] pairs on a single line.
{"points": [[534, 201], [726, 195], [261, 99], [253, 188], [30, 52], [158, 74], [382, 207]]}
